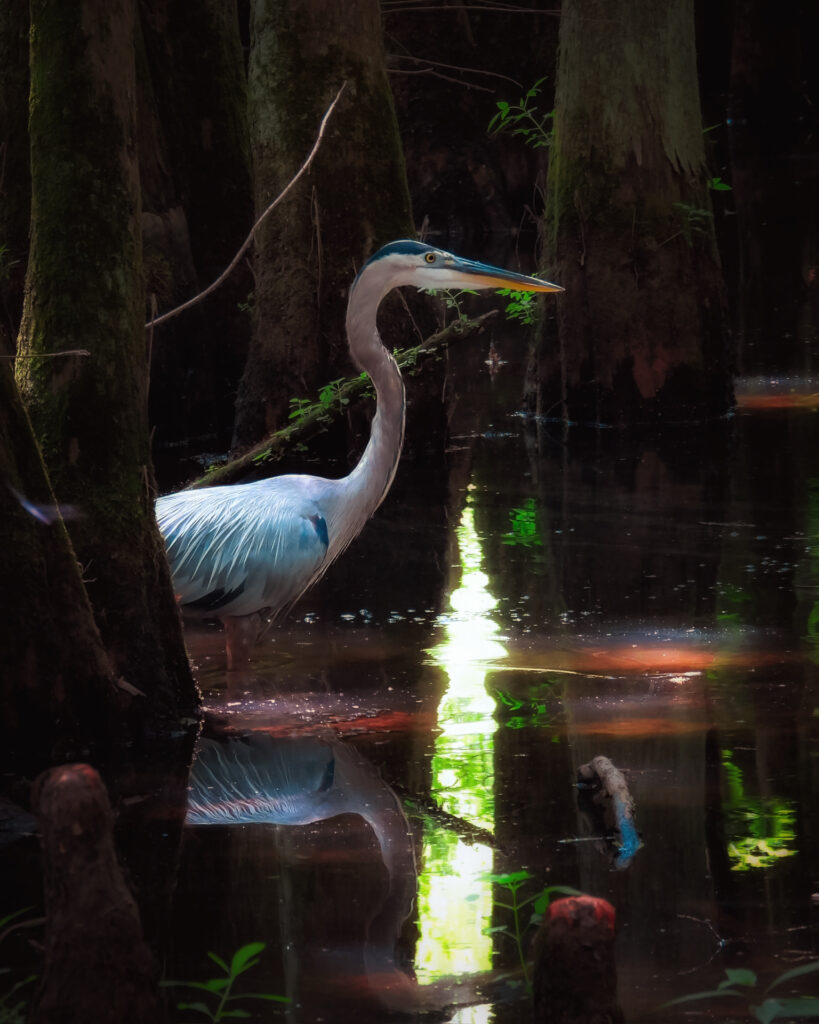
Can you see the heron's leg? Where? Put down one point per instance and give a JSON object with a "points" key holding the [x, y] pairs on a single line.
{"points": [[241, 633]]}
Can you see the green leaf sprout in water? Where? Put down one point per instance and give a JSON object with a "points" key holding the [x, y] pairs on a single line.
{"points": [[539, 901], [742, 984], [219, 991]]}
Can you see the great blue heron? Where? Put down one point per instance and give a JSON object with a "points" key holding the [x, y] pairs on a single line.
{"points": [[240, 550]]}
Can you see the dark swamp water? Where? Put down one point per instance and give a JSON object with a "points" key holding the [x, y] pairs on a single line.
{"points": [[517, 607]]}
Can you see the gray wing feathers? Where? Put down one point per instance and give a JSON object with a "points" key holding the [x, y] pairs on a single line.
{"points": [[261, 540]]}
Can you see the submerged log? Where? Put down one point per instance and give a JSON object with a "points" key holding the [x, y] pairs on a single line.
{"points": [[615, 804], [575, 978], [97, 965]]}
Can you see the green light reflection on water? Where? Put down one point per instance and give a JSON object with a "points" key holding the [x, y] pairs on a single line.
{"points": [[454, 897], [760, 830]]}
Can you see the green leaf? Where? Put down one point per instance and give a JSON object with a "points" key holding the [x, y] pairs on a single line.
{"points": [[494, 929], [738, 976], [701, 995], [199, 1007], [510, 878], [511, 702], [794, 972], [219, 962], [544, 897], [214, 985], [766, 1013], [242, 957], [787, 1009]]}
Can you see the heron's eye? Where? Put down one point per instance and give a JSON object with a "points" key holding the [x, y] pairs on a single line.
{"points": [[430, 257]]}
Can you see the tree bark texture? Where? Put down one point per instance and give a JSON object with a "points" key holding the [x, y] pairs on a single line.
{"points": [[15, 183], [84, 292], [56, 685], [354, 198], [629, 232]]}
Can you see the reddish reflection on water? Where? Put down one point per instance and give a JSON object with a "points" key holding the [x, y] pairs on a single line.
{"points": [[762, 393]]}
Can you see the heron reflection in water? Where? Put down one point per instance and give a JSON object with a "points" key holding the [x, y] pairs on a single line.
{"points": [[260, 779], [238, 552]]}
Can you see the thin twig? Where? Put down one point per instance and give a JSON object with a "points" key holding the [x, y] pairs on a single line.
{"points": [[246, 244], [154, 308], [437, 74], [50, 355], [452, 67]]}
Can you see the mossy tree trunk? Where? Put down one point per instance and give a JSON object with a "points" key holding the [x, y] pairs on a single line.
{"points": [[15, 184], [57, 687], [84, 291], [354, 198], [629, 232]]}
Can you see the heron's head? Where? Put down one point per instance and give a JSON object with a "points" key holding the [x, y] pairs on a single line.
{"points": [[425, 266]]}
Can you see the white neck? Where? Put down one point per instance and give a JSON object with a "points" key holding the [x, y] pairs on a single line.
{"points": [[364, 489]]}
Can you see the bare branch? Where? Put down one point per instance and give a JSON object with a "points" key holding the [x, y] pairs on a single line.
{"points": [[49, 355], [437, 74], [452, 67], [246, 244]]}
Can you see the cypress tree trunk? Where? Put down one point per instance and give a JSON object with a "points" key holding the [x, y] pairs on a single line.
{"points": [[84, 291], [354, 198], [629, 232], [56, 685]]}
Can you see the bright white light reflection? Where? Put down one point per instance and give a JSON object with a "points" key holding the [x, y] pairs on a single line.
{"points": [[455, 901], [472, 1015]]}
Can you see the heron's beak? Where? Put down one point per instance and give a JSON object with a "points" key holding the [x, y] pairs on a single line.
{"points": [[471, 274]]}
